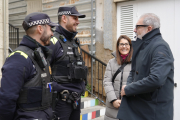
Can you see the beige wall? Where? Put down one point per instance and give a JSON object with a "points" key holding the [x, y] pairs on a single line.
{"points": [[4, 43], [34, 6], [103, 52], [120, 0]]}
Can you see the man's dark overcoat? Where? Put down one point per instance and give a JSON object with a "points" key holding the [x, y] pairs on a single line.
{"points": [[150, 85]]}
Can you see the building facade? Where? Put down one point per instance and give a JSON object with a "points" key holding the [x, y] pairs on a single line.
{"points": [[111, 18]]}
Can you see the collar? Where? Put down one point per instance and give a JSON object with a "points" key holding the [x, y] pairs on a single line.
{"points": [[29, 42], [151, 34], [68, 35], [33, 44], [114, 54], [148, 37]]}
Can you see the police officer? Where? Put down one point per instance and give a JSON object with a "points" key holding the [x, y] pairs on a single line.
{"points": [[25, 85], [68, 68]]}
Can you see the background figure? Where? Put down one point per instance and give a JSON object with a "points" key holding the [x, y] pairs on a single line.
{"points": [[148, 94], [24, 94], [122, 55], [68, 68]]}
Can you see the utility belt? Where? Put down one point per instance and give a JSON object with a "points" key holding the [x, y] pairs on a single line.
{"points": [[65, 95]]}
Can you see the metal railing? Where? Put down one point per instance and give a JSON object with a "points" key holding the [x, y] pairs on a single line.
{"points": [[96, 88], [13, 37]]}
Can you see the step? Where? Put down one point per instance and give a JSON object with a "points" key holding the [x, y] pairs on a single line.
{"points": [[88, 102], [92, 112], [99, 118]]}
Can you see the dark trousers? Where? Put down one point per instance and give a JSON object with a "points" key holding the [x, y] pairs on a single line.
{"points": [[65, 111], [34, 115]]}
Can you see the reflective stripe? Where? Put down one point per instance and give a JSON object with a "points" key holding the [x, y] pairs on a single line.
{"points": [[21, 53], [54, 40]]}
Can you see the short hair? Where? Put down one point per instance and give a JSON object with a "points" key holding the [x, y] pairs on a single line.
{"points": [[118, 54], [31, 30], [151, 19], [60, 18]]}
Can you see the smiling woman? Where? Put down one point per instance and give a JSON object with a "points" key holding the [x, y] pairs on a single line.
{"points": [[113, 80], [124, 49]]}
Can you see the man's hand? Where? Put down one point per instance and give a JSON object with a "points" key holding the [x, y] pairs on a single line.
{"points": [[122, 90], [117, 103]]}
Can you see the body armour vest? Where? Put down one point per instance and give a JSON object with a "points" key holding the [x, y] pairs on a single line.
{"points": [[36, 93], [70, 67]]}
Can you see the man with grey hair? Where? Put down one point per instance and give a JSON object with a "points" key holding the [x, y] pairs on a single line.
{"points": [[148, 94]]}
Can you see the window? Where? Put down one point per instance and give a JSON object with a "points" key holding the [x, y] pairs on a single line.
{"points": [[125, 20]]}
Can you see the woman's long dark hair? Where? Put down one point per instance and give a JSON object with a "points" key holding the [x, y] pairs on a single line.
{"points": [[118, 54]]}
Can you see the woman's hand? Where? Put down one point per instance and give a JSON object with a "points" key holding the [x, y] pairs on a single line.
{"points": [[117, 103]]}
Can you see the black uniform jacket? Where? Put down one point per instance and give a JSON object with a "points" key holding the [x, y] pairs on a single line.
{"points": [[17, 70], [150, 86], [57, 49]]}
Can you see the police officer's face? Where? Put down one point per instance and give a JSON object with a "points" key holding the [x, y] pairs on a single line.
{"points": [[47, 34], [72, 23]]}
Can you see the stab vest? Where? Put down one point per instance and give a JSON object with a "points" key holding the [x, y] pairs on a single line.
{"points": [[70, 67], [35, 94]]}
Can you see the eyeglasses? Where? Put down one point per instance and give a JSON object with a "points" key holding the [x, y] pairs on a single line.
{"points": [[122, 44], [141, 26]]}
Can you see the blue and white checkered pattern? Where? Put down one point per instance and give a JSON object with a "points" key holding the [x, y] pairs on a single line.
{"points": [[39, 22], [64, 13]]}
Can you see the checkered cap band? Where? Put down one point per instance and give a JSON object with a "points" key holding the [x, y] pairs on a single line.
{"points": [[39, 22], [65, 13]]}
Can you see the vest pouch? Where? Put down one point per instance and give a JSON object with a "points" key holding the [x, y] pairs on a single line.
{"points": [[80, 72], [46, 97], [34, 95], [57, 68], [30, 95]]}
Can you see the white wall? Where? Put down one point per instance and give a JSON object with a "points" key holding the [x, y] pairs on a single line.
{"points": [[177, 59], [169, 13]]}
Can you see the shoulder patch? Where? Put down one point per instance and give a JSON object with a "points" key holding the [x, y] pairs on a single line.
{"points": [[54, 40], [21, 53]]}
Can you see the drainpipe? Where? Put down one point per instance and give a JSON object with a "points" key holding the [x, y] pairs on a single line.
{"points": [[92, 47], [4, 37]]}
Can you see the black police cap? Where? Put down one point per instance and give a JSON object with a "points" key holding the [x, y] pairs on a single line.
{"points": [[37, 18], [70, 11]]}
